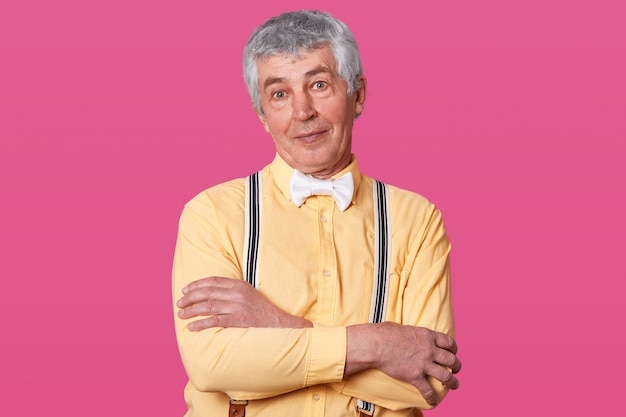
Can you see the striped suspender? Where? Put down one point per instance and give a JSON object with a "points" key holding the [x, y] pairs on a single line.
{"points": [[382, 252], [253, 204], [254, 201], [382, 249]]}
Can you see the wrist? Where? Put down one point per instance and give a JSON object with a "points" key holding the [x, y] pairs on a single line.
{"points": [[362, 348], [295, 322]]}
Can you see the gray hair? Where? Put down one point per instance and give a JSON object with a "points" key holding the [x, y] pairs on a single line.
{"points": [[293, 32]]}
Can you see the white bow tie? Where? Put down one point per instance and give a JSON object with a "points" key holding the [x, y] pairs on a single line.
{"points": [[303, 186]]}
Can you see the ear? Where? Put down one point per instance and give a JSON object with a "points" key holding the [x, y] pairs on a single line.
{"points": [[360, 95]]}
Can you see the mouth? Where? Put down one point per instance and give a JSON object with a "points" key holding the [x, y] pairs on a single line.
{"points": [[310, 136]]}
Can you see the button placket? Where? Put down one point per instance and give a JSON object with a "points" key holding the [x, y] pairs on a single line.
{"points": [[328, 263], [317, 401]]}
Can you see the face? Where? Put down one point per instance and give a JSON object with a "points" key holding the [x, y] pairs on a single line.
{"points": [[307, 110]]}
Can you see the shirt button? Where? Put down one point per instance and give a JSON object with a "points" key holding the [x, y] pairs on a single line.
{"points": [[327, 273], [316, 397], [323, 219]]}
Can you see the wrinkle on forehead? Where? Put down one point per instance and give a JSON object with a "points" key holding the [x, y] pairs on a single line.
{"points": [[320, 69], [296, 54], [278, 64]]}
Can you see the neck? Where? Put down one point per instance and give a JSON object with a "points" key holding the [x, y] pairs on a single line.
{"points": [[326, 173]]}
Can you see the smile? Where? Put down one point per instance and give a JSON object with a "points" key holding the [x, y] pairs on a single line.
{"points": [[309, 137]]}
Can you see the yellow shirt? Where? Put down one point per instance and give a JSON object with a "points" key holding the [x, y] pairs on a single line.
{"points": [[316, 262]]}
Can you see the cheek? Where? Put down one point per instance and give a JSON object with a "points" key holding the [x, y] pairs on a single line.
{"points": [[277, 123], [339, 113]]}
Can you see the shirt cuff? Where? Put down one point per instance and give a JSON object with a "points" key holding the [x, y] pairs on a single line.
{"points": [[328, 355]]}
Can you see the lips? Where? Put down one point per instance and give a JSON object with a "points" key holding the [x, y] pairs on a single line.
{"points": [[310, 136]]}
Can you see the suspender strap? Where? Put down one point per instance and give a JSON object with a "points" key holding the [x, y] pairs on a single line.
{"points": [[382, 249], [253, 203], [364, 408], [382, 252]]}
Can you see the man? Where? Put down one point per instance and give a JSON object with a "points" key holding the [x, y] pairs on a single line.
{"points": [[349, 312]]}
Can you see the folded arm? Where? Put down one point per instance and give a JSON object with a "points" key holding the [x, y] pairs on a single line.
{"points": [[429, 365], [415, 355], [226, 329], [233, 353]]}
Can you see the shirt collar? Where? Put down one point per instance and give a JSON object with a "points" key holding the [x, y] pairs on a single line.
{"points": [[281, 175]]}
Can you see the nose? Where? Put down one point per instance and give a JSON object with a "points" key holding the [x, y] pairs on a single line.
{"points": [[303, 106]]}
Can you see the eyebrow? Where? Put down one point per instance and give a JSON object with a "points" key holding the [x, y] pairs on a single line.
{"points": [[317, 70], [277, 80], [273, 80]]}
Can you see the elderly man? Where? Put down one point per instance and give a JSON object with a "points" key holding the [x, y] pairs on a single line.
{"points": [[308, 288]]}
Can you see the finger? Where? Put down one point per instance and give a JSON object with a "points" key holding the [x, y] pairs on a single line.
{"points": [[195, 296], [197, 284], [446, 358], [427, 391], [456, 366], [207, 323], [210, 282], [449, 379], [446, 342], [444, 375], [218, 320], [207, 308], [211, 292]]}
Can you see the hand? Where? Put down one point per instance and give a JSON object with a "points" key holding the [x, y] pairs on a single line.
{"points": [[406, 353], [231, 303]]}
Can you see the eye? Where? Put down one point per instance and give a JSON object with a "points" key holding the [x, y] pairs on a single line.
{"points": [[319, 85], [279, 95]]}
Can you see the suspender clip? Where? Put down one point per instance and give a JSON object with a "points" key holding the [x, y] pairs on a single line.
{"points": [[237, 408], [365, 413]]}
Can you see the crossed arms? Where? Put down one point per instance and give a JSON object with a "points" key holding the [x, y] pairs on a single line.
{"points": [[403, 352], [222, 323]]}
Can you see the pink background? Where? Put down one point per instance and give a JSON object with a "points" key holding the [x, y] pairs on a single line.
{"points": [[510, 117]]}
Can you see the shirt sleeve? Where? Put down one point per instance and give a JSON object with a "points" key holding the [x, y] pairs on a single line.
{"points": [[424, 300], [244, 363]]}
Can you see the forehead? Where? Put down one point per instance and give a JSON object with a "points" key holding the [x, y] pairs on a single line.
{"points": [[289, 67]]}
